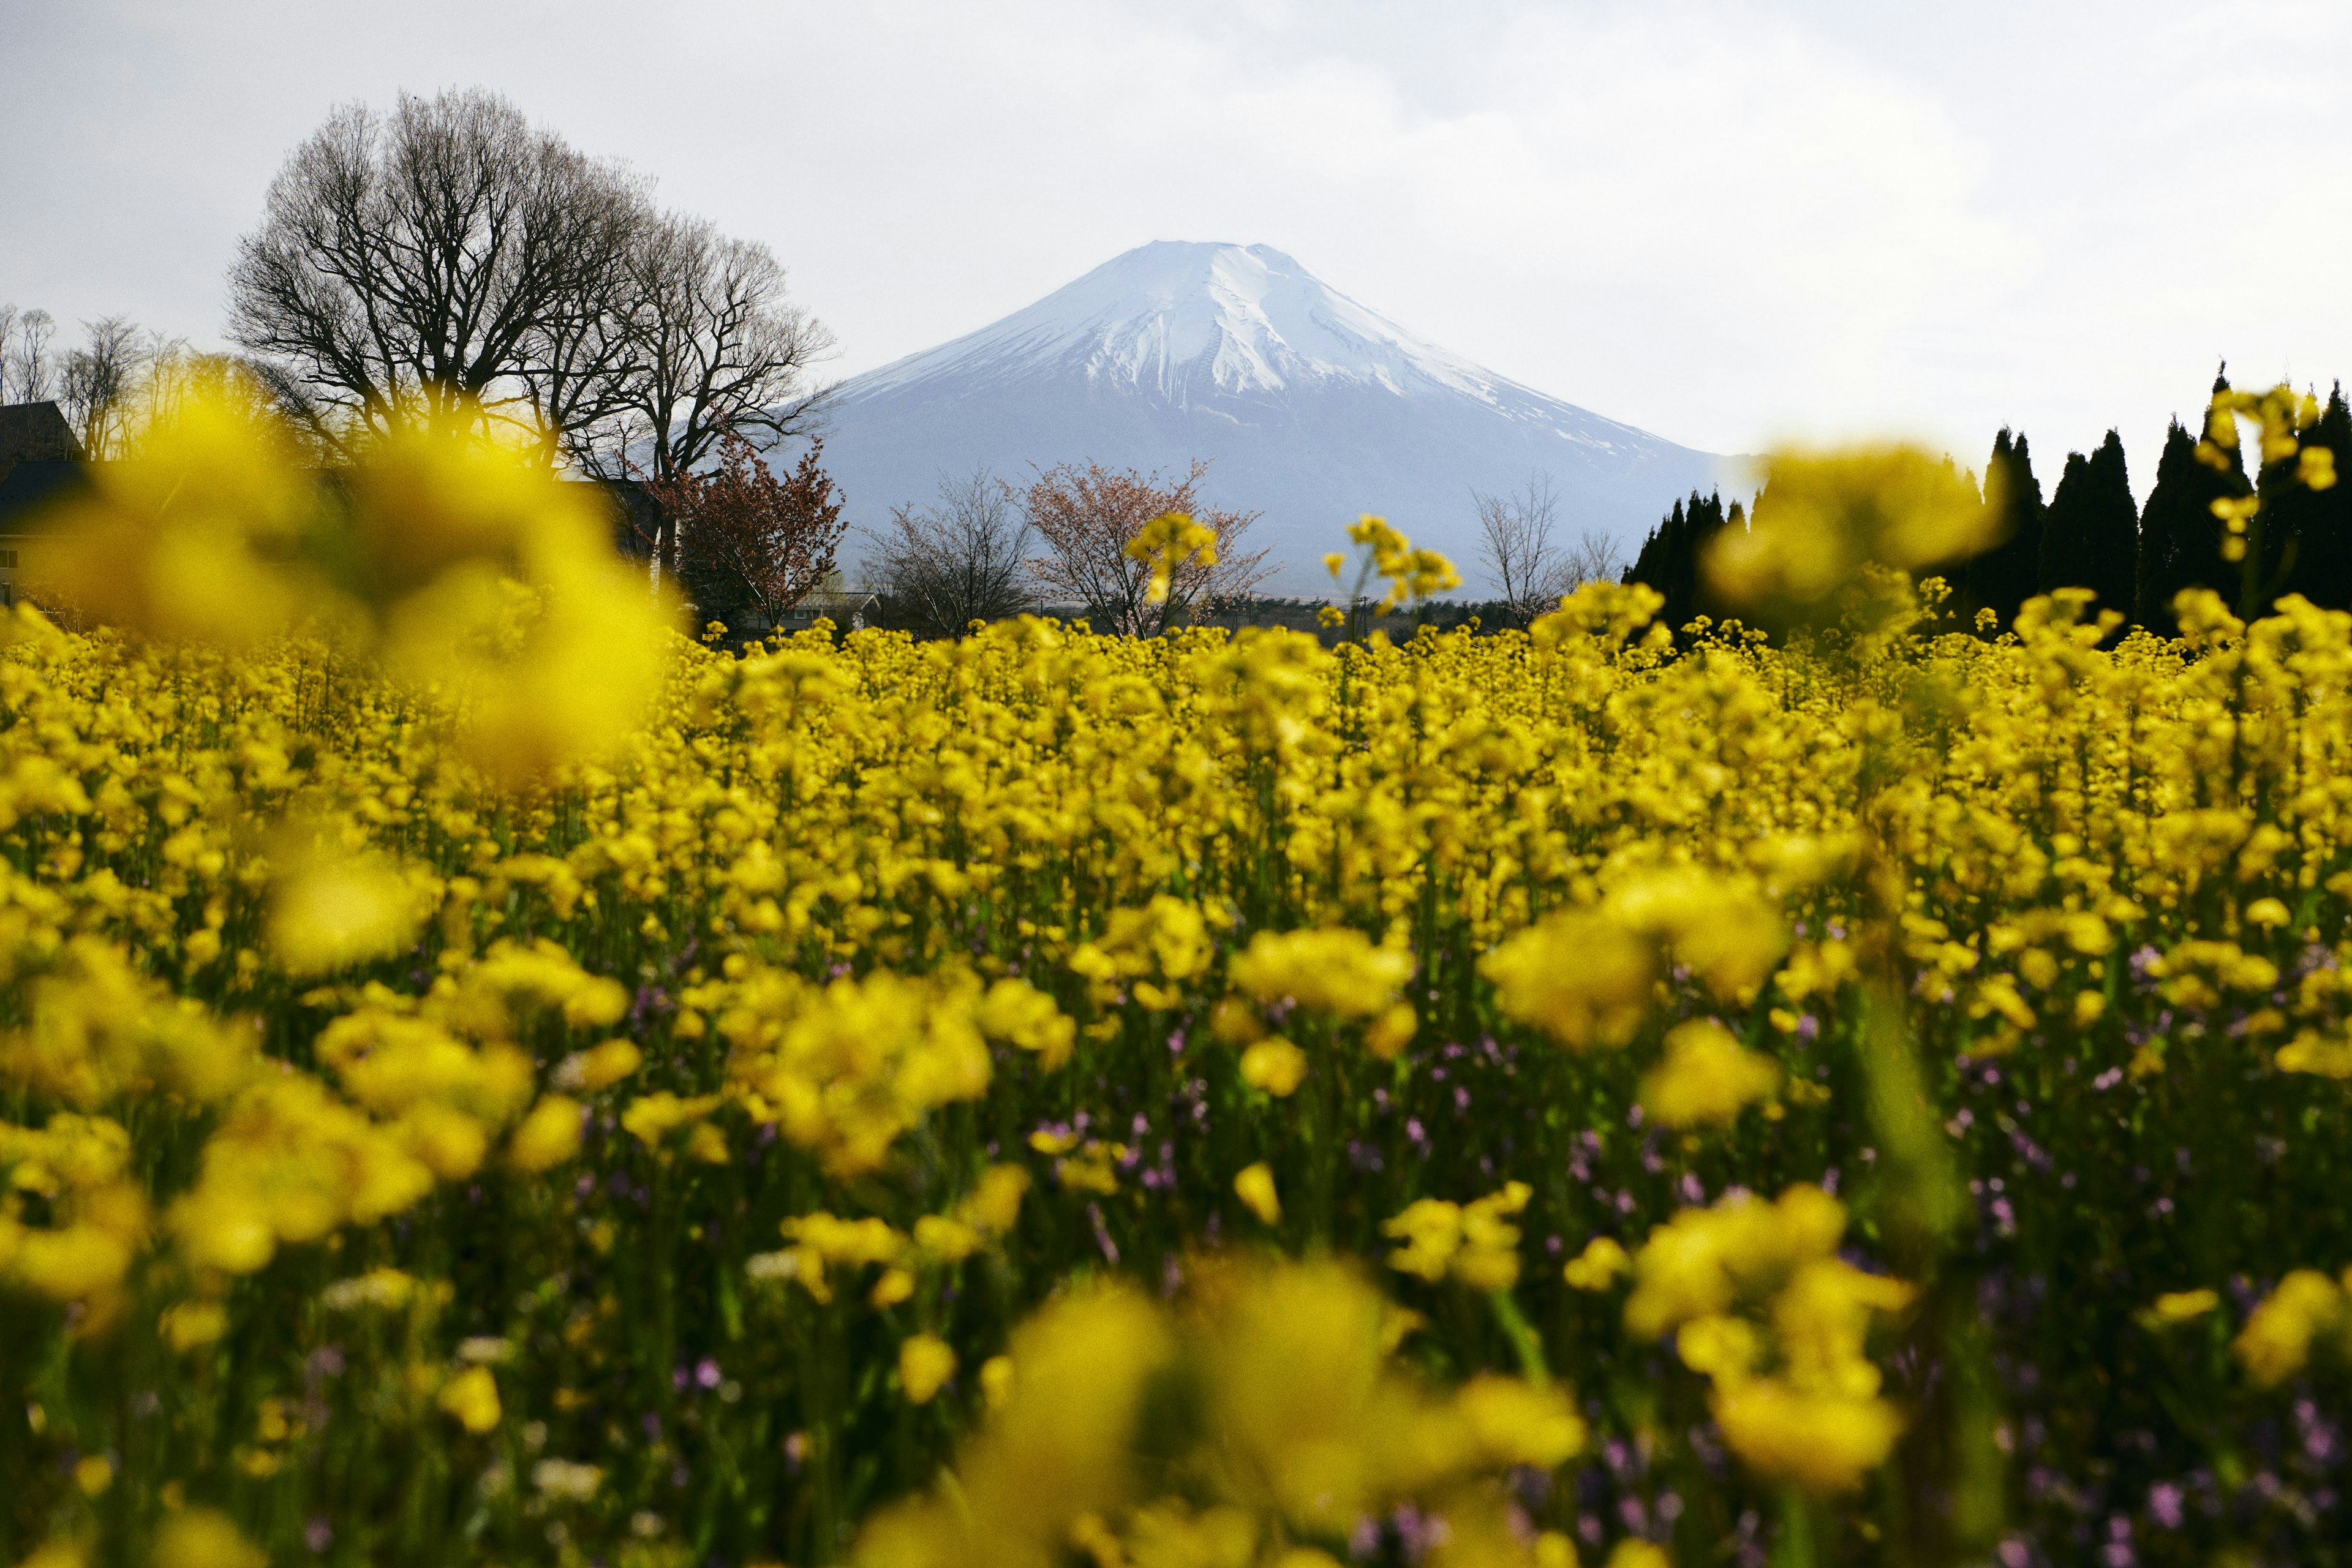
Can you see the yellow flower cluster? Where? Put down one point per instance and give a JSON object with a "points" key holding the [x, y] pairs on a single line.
{"points": [[2307, 1312], [1323, 977], [1823, 516], [846, 1067], [1474, 1242], [1166, 938], [1759, 1303], [1588, 975], [1706, 1076], [1167, 543], [1411, 574], [822, 1241]]}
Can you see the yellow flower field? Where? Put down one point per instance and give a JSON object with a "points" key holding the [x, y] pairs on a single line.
{"points": [[484, 1077]]}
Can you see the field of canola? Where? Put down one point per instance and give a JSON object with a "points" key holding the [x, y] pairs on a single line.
{"points": [[1050, 1098]]}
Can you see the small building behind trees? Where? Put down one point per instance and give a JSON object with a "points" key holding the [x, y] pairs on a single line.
{"points": [[41, 462]]}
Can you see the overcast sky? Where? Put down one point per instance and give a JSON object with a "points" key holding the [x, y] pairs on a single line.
{"points": [[1732, 222]]}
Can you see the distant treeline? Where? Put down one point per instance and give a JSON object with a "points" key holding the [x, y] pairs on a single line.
{"points": [[2089, 533]]}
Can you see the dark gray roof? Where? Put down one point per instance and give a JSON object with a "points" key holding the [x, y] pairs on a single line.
{"points": [[35, 433]]}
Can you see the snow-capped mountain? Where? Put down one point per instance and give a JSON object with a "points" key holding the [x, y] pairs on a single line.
{"points": [[1310, 407]]}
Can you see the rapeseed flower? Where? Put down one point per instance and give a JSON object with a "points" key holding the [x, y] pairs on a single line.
{"points": [[1255, 1186], [1337, 973], [1706, 1076], [2305, 1310]]}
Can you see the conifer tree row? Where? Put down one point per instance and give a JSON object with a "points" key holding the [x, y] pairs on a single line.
{"points": [[2091, 534]]}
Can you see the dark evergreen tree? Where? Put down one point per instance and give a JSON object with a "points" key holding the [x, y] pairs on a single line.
{"points": [[1672, 558], [2005, 578], [1651, 566], [2310, 532], [2090, 535], [2180, 537]]}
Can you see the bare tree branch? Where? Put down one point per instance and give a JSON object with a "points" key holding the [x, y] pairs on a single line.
{"points": [[98, 381], [944, 567], [715, 347], [27, 369], [1594, 558], [1515, 535]]}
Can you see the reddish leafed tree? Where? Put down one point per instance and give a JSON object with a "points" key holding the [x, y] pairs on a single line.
{"points": [[1088, 515], [751, 544]]}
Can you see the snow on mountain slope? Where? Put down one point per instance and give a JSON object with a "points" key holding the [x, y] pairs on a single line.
{"points": [[1309, 406]]}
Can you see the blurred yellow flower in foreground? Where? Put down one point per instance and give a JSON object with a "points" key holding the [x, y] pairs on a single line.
{"points": [[1820, 516], [1294, 1421], [204, 1538], [1600, 1264], [2306, 1309], [547, 1136], [1337, 973], [1822, 1442], [1706, 1076], [925, 1365], [1254, 1187], [1795, 1394], [2183, 1306], [200, 536], [466, 567], [339, 904], [1635, 1552], [1578, 975], [1274, 1065], [472, 1396]]}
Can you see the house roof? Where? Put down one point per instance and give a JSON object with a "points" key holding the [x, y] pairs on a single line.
{"points": [[35, 433]]}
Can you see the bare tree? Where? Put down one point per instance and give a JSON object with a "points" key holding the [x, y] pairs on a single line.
{"points": [[1514, 536], [1088, 517], [312, 423], [27, 369], [98, 383], [714, 347], [1594, 558], [944, 567], [408, 265]]}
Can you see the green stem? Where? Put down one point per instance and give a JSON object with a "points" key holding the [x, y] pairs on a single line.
{"points": [[1798, 1545], [1523, 1340]]}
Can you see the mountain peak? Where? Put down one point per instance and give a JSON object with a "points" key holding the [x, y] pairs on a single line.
{"points": [[1188, 320]]}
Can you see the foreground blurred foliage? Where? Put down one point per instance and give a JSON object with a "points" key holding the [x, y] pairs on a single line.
{"points": [[485, 1079]]}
